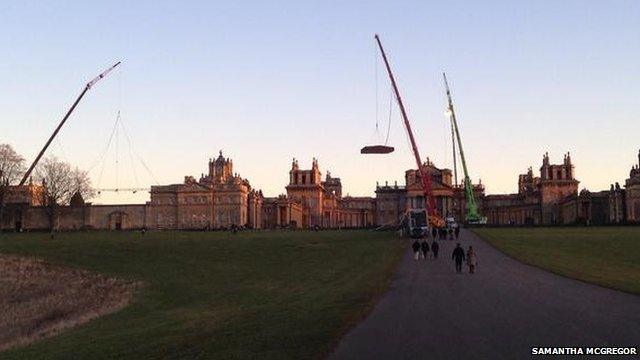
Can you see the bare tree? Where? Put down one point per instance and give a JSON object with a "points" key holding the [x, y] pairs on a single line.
{"points": [[81, 183], [11, 169], [61, 182], [11, 165]]}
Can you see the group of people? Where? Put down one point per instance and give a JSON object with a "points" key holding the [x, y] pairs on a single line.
{"points": [[422, 249], [459, 256], [445, 232]]}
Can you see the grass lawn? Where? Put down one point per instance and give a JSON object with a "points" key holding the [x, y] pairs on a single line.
{"points": [[267, 295], [607, 256]]}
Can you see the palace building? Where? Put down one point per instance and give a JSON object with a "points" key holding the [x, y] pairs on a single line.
{"points": [[222, 199], [393, 201], [539, 199], [322, 203], [631, 194], [219, 199]]}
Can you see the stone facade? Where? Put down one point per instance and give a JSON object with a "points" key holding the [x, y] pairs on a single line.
{"points": [[547, 199], [18, 204], [591, 208], [87, 216], [357, 212], [556, 183], [322, 203], [632, 193], [305, 188], [539, 199], [218, 200], [394, 201], [222, 199], [553, 198], [281, 212], [391, 203]]}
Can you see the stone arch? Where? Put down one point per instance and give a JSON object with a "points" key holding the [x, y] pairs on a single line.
{"points": [[118, 220]]}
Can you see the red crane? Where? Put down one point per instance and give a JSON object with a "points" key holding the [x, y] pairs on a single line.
{"points": [[434, 217]]}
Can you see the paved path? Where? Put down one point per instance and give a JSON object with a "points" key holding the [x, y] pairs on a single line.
{"points": [[501, 312]]}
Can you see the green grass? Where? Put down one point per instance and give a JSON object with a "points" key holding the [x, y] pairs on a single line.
{"points": [[607, 256], [267, 295]]}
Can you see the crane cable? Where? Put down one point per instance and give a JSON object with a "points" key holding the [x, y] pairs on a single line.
{"points": [[132, 152], [116, 148], [378, 135], [386, 141], [101, 158], [133, 168], [119, 124], [375, 136]]}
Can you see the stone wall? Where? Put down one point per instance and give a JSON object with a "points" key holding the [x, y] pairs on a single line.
{"points": [[102, 217], [108, 216]]}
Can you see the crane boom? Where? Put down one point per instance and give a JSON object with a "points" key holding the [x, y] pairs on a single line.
{"points": [[472, 207], [55, 132], [455, 161], [425, 178]]}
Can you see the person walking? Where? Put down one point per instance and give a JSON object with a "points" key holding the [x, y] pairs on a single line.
{"points": [[450, 231], [472, 260], [458, 256], [424, 247], [435, 248], [457, 231], [434, 232], [416, 249]]}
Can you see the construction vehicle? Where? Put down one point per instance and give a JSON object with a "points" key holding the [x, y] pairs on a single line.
{"points": [[472, 216], [431, 213], [415, 223]]}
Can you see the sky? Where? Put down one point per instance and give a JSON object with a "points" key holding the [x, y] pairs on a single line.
{"points": [[267, 81]]}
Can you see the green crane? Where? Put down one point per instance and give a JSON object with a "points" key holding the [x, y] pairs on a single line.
{"points": [[473, 217]]}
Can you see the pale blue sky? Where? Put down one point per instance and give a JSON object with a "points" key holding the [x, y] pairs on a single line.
{"points": [[268, 81]]}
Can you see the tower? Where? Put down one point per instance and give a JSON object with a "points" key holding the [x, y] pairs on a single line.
{"points": [[333, 185], [305, 187], [220, 169], [556, 183], [632, 193]]}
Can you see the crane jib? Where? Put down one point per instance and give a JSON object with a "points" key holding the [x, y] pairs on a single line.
{"points": [[472, 208], [425, 179], [64, 119]]}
